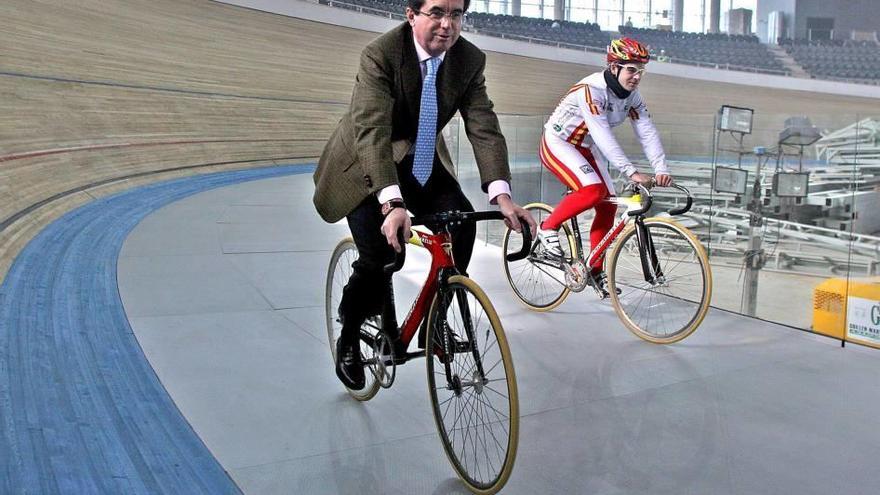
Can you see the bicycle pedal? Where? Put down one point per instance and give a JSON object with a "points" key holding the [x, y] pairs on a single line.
{"points": [[398, 354]]}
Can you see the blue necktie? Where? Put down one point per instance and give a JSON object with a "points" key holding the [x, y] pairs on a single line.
{"points": [[423, 161]]}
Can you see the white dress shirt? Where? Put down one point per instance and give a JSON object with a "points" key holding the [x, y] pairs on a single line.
{"points": [[388, 193]]}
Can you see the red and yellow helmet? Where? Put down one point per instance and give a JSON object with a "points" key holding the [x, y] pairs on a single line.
{"points": [[624, 50]]}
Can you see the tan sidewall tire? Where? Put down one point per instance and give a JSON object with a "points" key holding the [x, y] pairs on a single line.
{"points": [[369, 391], [507, 359], [707, 274], [572, 246]]}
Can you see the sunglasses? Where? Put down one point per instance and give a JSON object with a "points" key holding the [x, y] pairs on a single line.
{"points": [[632, 70]]}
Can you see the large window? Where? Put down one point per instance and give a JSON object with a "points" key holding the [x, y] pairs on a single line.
{"points": [[613, 13], [580, 11], [542, 9], [490, 6], [609, 14]]}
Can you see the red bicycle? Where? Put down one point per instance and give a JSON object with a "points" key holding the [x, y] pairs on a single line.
{"points": [[471, 379], [659, 277]]}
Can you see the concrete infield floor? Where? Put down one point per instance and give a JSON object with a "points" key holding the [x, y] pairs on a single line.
{"points": [[223, 291], [741, 406]]}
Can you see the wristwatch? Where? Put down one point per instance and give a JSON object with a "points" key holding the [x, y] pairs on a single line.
{"points": [[390, 205]]}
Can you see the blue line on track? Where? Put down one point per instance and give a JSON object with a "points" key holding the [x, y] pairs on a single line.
{"points": [[81, 409]]}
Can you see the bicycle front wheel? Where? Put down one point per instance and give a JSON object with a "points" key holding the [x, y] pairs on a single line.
{"points": [[673, 302], [472, 385], [538, 282], [338, 273]]}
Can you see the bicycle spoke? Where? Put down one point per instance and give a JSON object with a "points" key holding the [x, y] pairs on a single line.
{"points": [[493, 366], [500, 415], [458, 415], [486, 427], [445, 401]]}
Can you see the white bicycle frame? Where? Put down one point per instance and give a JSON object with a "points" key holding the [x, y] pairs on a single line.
{"points": [[632, 203]]}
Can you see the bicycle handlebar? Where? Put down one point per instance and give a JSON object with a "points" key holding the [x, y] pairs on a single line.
{"points": [[646, 198], [645, 191], [399, 258], [690, 200], [456, 217]]}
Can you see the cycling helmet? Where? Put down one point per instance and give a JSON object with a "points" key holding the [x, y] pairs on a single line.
{"points": [[625, 50]]}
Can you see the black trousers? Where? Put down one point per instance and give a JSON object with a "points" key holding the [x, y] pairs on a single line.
{"points": [[363, 296]]}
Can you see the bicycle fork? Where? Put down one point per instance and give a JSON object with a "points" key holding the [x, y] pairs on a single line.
{"points": [[450, 346], [648, 254]]}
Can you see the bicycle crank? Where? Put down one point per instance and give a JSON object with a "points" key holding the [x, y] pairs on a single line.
{"points": [[576, 275], [384, 368]]}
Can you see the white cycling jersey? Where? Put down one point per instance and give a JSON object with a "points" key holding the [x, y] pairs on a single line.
{"points": [[586, 114]]}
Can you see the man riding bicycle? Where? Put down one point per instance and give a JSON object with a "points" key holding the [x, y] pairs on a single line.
{"points": [[578, 145], [387, 149]]}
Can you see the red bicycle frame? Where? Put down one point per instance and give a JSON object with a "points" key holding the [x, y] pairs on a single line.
{"points": [[439, 246]]}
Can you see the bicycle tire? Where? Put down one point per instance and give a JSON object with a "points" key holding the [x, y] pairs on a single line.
{"points": [[338, 273], [539, 288], [682, 298], [492, 410]]}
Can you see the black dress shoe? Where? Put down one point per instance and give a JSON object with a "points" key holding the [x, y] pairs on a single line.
{"points": [[349, 367]]}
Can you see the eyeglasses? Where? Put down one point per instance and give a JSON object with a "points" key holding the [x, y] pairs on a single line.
{"points": [[632, 70], [437, 15]]}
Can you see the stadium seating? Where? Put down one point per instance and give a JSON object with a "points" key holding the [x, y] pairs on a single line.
{"points": [[734, 52], [737, 52], [575, 33], [836, 59], [376, 6]]}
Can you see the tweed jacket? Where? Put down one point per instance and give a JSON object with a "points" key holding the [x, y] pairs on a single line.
{"points": [[380, 126]]}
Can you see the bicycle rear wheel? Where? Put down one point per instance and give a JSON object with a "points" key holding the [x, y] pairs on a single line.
{"points": [[536, 281], [472, 386], [670, 307], [338, 273]]}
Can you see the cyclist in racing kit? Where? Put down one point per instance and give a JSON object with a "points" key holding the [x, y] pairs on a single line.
{"points": [[578, 145]]}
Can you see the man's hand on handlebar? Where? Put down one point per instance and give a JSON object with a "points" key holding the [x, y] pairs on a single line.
{"points": [[513, 213], [397, 221], [663, 180], [644, 180]]}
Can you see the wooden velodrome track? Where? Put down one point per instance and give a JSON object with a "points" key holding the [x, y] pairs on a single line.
{"points": [[98, 96]]}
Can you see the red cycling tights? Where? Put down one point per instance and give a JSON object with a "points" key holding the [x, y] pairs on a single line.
{"points": [[591, 196]]}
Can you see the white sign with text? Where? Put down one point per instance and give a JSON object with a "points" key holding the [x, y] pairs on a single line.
{"points": [[863, 320]]}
